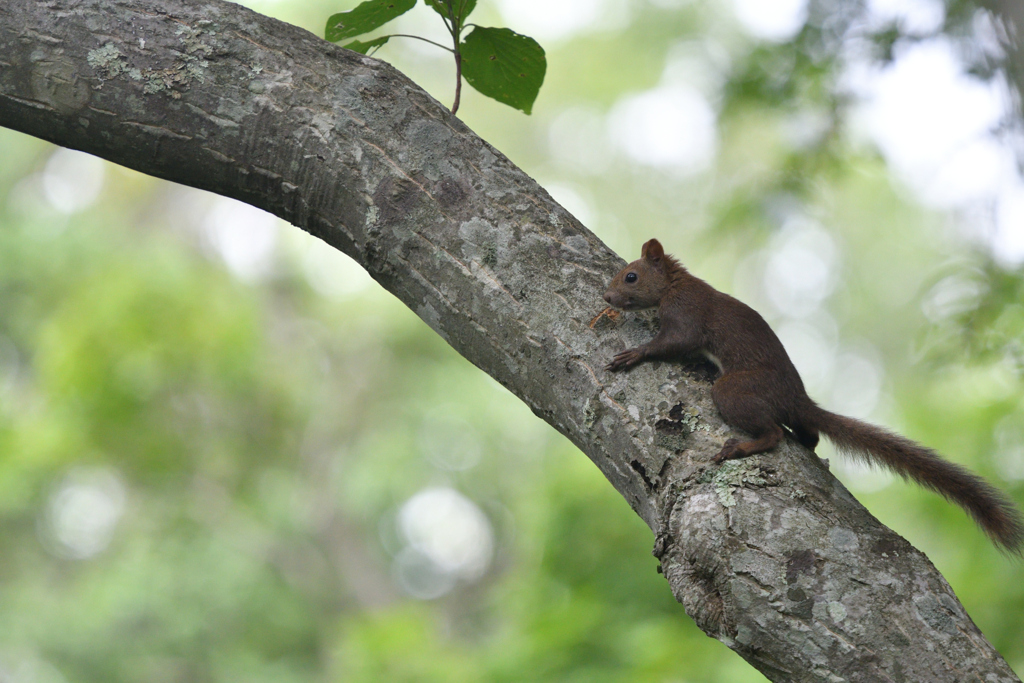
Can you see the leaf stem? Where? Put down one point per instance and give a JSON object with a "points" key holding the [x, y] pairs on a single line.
{"points": [[449, 21], [446, 24], [425, 40]]}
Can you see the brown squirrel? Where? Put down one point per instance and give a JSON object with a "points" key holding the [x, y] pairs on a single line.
{"points": [[760, 392]]}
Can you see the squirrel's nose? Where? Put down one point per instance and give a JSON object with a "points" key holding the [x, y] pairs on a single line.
{"points": [[608, 297]]}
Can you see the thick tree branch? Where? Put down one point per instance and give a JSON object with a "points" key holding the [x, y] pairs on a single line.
{"points": [[770, 555]]}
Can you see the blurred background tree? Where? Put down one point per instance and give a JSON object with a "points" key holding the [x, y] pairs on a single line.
{"points": [[226, 454]]}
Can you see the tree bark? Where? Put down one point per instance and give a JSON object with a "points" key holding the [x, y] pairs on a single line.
{"points": [[771, 555]]}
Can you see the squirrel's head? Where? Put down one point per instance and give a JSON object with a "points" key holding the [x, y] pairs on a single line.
{"points": [[642, 283]]}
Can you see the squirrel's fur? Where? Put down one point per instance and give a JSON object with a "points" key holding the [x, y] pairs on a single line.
{"points": [[760, 391]]}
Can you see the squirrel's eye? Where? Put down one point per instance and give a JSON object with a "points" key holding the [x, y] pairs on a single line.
{"points": [[630, 277]]}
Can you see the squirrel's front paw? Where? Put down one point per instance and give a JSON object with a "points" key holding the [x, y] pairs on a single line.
{"points": [[624, 360]]}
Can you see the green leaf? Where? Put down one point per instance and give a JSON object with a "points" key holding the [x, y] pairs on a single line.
{"points": [[366, 17], [462, 8], [504, 65], [363, 47]]}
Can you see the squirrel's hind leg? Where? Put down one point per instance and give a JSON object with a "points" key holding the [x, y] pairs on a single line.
{"points": [[741, 407], [734, 448]]}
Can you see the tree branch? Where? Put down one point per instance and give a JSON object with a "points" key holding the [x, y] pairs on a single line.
{"points": [[771, 555]]}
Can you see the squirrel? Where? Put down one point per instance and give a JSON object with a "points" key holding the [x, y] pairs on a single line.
{"points": [[759, 390]]}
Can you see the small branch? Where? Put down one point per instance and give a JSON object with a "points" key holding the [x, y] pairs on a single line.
{"points": [[456, 33], [458, 80]]}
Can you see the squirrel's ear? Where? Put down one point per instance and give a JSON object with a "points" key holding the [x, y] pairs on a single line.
{"points": [[652, 251]]}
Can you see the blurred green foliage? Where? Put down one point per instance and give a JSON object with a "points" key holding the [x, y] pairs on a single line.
{"points": [[203, 468]]}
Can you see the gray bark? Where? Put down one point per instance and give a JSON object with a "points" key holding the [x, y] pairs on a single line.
{"points": [[770, 555]]}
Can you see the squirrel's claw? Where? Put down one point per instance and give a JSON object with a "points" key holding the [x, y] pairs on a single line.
{"points": [[624, 360]]}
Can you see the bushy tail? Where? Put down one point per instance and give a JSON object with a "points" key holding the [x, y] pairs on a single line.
{"points": [[988, 506]]}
